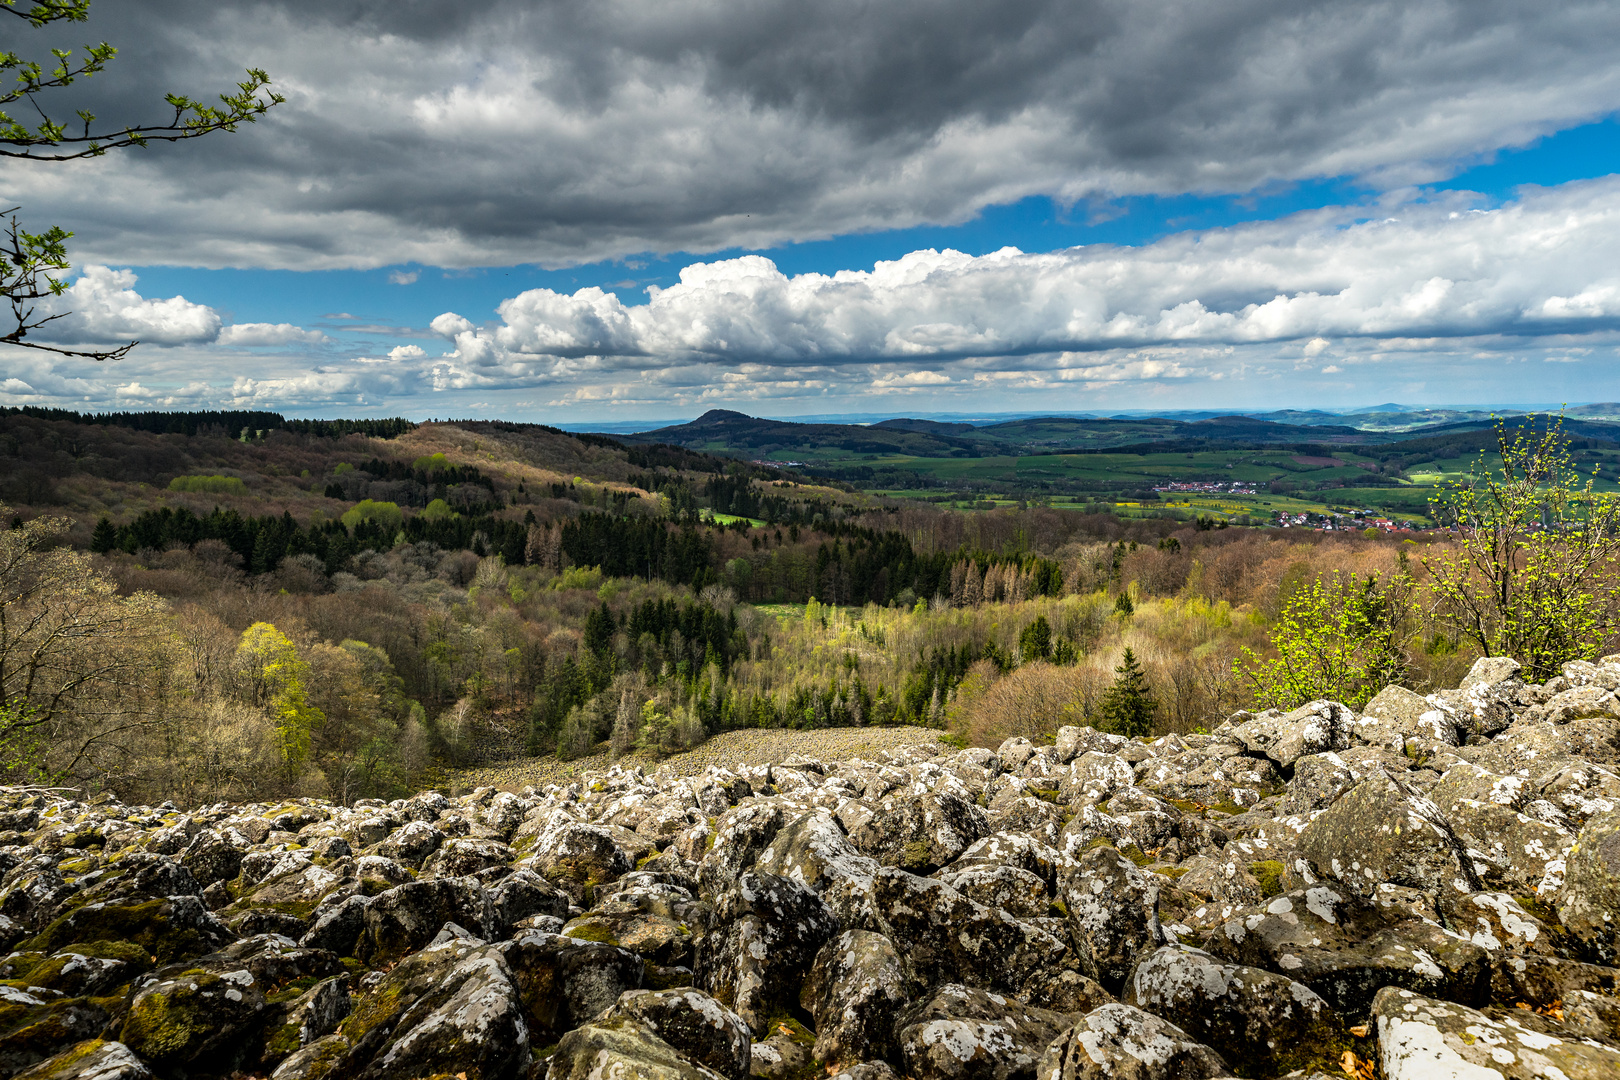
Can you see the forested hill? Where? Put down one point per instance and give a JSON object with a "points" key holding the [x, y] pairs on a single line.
{"points": [[725, 432], [722, 431]]}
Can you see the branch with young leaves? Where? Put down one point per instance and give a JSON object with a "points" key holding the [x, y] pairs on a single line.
{"points": [[49, 11], [191, 119], [27, 278], [32, 260]]}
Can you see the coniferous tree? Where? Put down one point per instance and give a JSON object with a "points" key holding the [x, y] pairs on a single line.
{"points": [[105, 538], [1035, 643], [1129, 705], [599, 627]]}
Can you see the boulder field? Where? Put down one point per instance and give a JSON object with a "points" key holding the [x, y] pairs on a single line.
{"points": [[1427, 889]]}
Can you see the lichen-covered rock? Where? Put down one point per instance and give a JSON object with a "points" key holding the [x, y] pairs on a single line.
{"points": [[1383, 831], [1589, 902], [339, 927], [92, 1059], [1119, 1042], [632, 920], [382, 1002], [1269, 1022], [169, 929], [784, 1055], [866, 1070], [1346, 949], [88, 970], [194, 1021], [470, 1023], [856, 987], [292, 1025], [1420, 1038], [1113, 915], [1587, 995], [1211, 779], [947, 938], [701, 1029], [1015, 891], [963, 1033], [919, 830], [1066, 991], [1314, 728], [35, 1026], [1019, 850], [563, 982], [1485, 703], [411, 844], [408, 916], [736, 841], [621, 1049], [211, 857], [464, 856], [1396, 714], [314, 1062], [1510, 850], [1094, 776], [1318, 781], [577, 857], [1495, 921], [523, 894], [813, 850], [767, 933]]}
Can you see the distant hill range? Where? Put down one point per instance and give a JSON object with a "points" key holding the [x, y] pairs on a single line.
{"points": [[734, 433]]}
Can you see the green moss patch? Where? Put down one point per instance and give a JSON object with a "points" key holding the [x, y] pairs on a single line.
{"points": [[589, 929], [1269, 873], [146, 925], [126, 951]]}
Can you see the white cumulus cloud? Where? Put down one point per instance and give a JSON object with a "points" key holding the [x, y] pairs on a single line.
{"points": [[102, 307], [248, 334], [1541, 266]]}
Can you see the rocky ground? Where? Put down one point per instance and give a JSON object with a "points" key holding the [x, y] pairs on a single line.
{"points": [[729, 749], [1428, 889]]}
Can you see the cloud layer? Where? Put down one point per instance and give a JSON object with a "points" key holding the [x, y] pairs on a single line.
{"points": [[498, 131], [1318, 300], [1536, 268]]}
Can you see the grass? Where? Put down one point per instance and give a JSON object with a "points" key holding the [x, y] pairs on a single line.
{"points": [[731, 519]]}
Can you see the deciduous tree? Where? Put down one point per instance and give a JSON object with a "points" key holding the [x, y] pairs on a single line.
{"points": [[1533, 575]]}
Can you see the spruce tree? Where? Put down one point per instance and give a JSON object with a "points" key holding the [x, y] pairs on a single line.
{"points": [[1035, 643], [105, 538], [1129, 705]]}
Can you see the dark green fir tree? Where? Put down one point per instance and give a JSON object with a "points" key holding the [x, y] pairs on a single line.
{"points": [[105, 538], [1129, 705]]}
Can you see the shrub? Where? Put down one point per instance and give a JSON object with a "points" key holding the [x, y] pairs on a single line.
{"points": [[213, 485], [1337, 637], [386, 514]]}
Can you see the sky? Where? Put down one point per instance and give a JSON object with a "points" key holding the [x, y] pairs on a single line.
{"points": [[632, 210]]}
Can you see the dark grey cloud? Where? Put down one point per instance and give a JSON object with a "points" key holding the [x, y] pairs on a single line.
{"points": [[493, 132]]}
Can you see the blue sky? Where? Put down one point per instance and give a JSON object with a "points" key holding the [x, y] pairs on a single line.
{"points": [[520, 209]]}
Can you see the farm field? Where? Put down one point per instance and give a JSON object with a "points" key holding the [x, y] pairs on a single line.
{"points": [[1238, 469]]}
